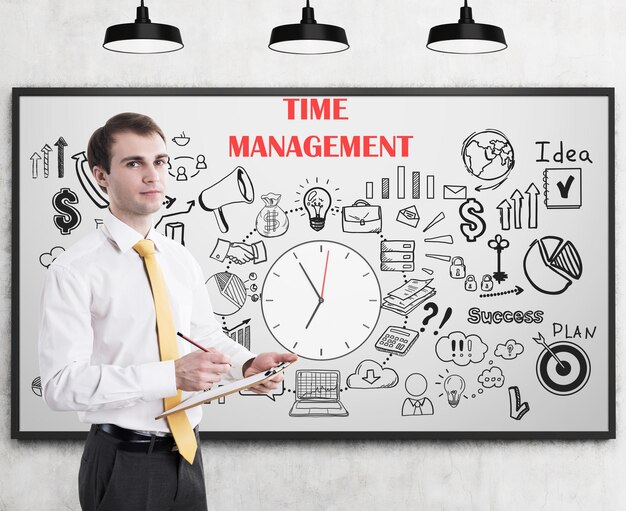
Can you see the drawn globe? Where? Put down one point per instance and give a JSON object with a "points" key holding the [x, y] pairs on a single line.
{"points": [[227, 292], [488, 155]]}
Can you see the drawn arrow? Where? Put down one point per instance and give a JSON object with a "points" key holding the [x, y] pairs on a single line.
{"points": [[191, 203], [61, 145], [34, 159], [533, 193], [541, 341], [505, 214], [244, 322], [517, 290], [46, 159], [169, 201], [84, 177], [500, 180], [517, 208], [370, 378]]}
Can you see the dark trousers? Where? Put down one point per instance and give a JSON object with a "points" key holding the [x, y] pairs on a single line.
{"points": [[111, 479]]}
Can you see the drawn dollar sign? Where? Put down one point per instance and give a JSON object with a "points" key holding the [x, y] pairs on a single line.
{"points": [[271, 221], [474, 225], [69, 218]]}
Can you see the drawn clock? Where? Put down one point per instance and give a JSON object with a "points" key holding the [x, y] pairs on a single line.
{"points": [[321, 300]]}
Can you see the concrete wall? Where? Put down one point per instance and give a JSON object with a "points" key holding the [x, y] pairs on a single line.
{"points": [[551, 43]]}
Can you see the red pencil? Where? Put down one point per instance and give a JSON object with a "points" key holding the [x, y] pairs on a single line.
{"points": [[192, 342]]}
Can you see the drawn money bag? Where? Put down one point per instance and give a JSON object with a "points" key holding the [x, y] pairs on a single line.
{"points": [[271, 220]]}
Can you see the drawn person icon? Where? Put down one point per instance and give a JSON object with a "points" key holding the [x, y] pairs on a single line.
{"points": [[416, 384], [181, 174], [201, 162]]}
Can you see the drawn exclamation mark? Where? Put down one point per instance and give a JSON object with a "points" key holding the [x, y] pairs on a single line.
{"points": [[445, 319], [453, 348]]}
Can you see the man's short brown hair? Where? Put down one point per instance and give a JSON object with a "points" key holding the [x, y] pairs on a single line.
{"points": [[99, 147]]}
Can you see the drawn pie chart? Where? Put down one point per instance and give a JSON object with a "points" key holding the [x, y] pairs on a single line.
{"points": [[228, 293], [551, 263], [568, 376]]}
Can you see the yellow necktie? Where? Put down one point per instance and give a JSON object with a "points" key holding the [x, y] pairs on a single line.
{"points": [[168, 348]]}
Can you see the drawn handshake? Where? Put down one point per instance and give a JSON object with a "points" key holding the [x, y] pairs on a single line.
{"points": [[239, 253]]}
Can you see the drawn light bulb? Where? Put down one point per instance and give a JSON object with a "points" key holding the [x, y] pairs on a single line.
{"points": [[317, 202], [454, 386]]}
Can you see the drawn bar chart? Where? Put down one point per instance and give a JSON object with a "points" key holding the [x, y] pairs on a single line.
{"points": [[416, 185], [384, 184], [401, 183]]}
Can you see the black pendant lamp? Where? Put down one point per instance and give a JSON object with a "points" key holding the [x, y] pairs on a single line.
{"points": [[466, 36], [143, 36], [308, 37]]}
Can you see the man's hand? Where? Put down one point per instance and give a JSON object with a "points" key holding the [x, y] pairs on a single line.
{"points": [[240, 253], [262, 363], [201, 370]]}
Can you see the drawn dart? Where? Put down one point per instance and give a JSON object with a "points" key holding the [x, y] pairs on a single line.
{"points": [[543, 342]]}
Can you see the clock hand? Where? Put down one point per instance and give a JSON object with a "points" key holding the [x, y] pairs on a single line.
{"points": [[310, 281], [314, 312], [325, 270]]}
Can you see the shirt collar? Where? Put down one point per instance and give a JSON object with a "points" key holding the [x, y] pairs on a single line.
{"points": [[125, 236]]}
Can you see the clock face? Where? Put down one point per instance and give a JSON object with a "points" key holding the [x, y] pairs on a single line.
{"points": [[321, 300]]}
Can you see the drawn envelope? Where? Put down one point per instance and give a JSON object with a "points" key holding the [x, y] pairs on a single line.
{"points": [[454, 192], [408, 216]]}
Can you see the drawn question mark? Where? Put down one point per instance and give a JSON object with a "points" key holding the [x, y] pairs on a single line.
{"points": [[432, 306], [510, 346]]}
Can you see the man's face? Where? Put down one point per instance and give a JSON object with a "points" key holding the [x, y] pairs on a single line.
{"points": [[136, 183]]}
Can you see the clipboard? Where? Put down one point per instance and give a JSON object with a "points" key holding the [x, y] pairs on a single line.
{"points": [[224, 390]]}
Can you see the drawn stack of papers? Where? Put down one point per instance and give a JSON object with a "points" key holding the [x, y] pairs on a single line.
{"points": [[408, 296]]}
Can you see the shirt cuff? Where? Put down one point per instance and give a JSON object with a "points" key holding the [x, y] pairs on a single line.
{"points": [[157, 379], [237, 362], [220, 251]]}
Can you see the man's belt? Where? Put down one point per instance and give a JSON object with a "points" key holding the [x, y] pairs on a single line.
{"points": [[133, 441]]}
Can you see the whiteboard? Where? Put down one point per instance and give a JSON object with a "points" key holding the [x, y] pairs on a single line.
{"points": [[442, 260]]}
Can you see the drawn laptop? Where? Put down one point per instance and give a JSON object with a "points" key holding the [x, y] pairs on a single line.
{"points": [[317, 394]]}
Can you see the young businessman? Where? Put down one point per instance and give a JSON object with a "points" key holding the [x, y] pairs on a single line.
{"points": [[111, 305]]}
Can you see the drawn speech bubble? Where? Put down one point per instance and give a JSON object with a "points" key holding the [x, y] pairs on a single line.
{"points": [[461, 349], [278, 391], [509, 350], [491, 377]]}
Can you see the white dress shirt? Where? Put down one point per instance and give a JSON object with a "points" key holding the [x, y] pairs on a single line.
{"points": [[98, 347]]}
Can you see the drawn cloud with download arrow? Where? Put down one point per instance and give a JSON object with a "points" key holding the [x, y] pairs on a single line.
{"points": [[47, 258], [371, 375]]}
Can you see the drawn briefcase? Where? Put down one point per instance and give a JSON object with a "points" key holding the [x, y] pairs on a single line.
{"points": [[361, 217]]}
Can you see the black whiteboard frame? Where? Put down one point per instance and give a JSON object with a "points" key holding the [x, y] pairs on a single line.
{"points": [[607, 92]]}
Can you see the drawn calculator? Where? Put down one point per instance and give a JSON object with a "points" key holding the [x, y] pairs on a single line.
{"points": [[396, 340]]}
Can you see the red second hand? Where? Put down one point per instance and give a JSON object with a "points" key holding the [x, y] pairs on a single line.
{"points": [[324, 281]]}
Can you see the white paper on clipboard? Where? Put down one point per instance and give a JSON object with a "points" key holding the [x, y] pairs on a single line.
{"points": [[224, 390]]}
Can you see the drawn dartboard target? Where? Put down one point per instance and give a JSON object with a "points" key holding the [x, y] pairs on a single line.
{"points": [[568, 377]]}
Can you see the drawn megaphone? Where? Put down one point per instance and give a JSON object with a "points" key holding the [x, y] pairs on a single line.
{"points": [[232, 188]]}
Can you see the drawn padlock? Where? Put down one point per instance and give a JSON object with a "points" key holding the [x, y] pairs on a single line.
{"points": [[457, 268], [470, 283], [487, 283]]}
